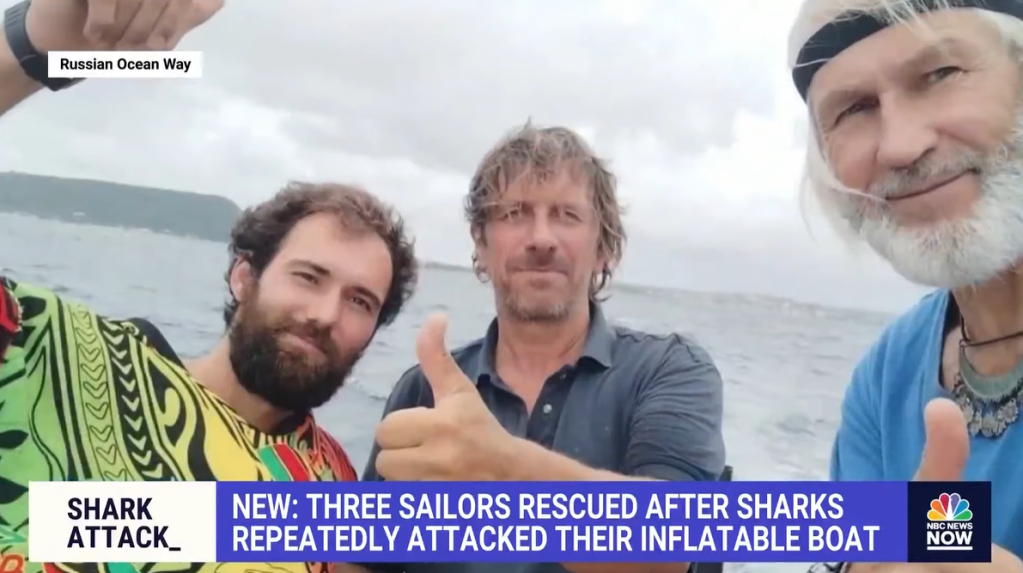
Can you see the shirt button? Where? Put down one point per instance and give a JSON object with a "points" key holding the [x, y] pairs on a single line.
{"points": [[547, 408]]}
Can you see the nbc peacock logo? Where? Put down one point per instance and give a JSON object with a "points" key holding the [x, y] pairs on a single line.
{"points": [[950, 508], [950, 526]]}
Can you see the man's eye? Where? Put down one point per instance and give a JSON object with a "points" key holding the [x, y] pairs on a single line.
{"points": [[942, 73], [853, 109], [363, 303]]}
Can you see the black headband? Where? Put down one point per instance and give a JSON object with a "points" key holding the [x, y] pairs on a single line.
{"points": [[849, 28]]}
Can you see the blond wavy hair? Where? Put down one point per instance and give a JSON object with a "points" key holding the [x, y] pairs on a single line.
{"points": [[543, 153]]}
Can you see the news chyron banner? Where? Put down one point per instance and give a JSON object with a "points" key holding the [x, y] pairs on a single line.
{"points": [[639, 521]]}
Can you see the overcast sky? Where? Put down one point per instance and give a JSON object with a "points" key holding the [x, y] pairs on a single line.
{"points": [[691, 101]]}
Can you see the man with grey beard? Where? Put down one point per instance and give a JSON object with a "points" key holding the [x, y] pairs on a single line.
{"points": [[916, 149], [553, 391]]}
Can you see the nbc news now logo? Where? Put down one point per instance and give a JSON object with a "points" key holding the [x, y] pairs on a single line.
{"points": [[950, 526]]}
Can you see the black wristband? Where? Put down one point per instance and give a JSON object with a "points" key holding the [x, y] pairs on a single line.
{"points": [[32, 62]]}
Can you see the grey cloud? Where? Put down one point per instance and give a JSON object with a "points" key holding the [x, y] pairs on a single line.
{"points": [[437, 82], [432, 83]]}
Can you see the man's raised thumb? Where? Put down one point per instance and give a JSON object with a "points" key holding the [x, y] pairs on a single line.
{"points": [[439, 367], [947, 447]]}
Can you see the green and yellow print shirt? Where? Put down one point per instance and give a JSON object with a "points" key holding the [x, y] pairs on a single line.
{"points": [[83, 397]]}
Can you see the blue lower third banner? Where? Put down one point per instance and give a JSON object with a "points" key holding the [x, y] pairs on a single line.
{"points": [[395, 522], [562, 522]]}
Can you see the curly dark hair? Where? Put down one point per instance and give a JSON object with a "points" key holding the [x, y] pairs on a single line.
{"points": [[257, 236]]}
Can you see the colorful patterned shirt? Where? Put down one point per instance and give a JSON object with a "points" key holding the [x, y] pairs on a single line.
{"points": [[84, 397]]}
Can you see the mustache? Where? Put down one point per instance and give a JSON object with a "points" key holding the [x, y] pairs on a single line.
{"points": [[535, 262], [928, 173], [317, 335]]}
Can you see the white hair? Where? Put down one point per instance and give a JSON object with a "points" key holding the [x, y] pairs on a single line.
{"points": [[820, 184], [818, 179]]}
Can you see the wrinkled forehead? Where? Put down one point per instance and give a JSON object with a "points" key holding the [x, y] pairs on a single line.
{"points": [[827, 29]]}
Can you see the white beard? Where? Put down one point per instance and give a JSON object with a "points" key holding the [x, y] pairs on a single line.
{"points": [[962, 252]]}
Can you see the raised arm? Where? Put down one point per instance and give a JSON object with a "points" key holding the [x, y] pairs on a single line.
{"points": [[34, 28], [15, 86]]}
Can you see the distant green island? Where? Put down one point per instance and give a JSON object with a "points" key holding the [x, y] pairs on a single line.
{"points": [[109, 204]]}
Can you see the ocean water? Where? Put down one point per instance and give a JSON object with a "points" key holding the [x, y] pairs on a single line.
{"points": [[785, 364]]}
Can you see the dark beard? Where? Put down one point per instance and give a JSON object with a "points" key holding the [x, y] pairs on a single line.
{"points": [[286, 380]]}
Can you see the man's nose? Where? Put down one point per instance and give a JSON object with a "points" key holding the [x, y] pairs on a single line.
{"points": [[907, 134], [325, 309], [543, 238]]}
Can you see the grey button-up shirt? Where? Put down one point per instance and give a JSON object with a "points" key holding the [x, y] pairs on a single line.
{"points": [[634, 403]]}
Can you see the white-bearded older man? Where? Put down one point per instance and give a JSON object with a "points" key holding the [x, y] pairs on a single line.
{"points": [[916, 149]]}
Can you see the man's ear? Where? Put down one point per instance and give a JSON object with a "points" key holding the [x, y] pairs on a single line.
{"points": [[241, 278], [479, 245]]}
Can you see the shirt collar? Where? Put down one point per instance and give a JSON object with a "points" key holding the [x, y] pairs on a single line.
{"points": [[599, 343]]}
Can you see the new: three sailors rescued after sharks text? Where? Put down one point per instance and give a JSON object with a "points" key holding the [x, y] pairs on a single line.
{"points": [[116, 535], [169, 63], [657, 527]]}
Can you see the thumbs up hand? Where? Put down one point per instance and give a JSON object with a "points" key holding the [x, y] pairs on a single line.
{"points": [[946, 451], [445, 376], [947, 447], [456, 440]]}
